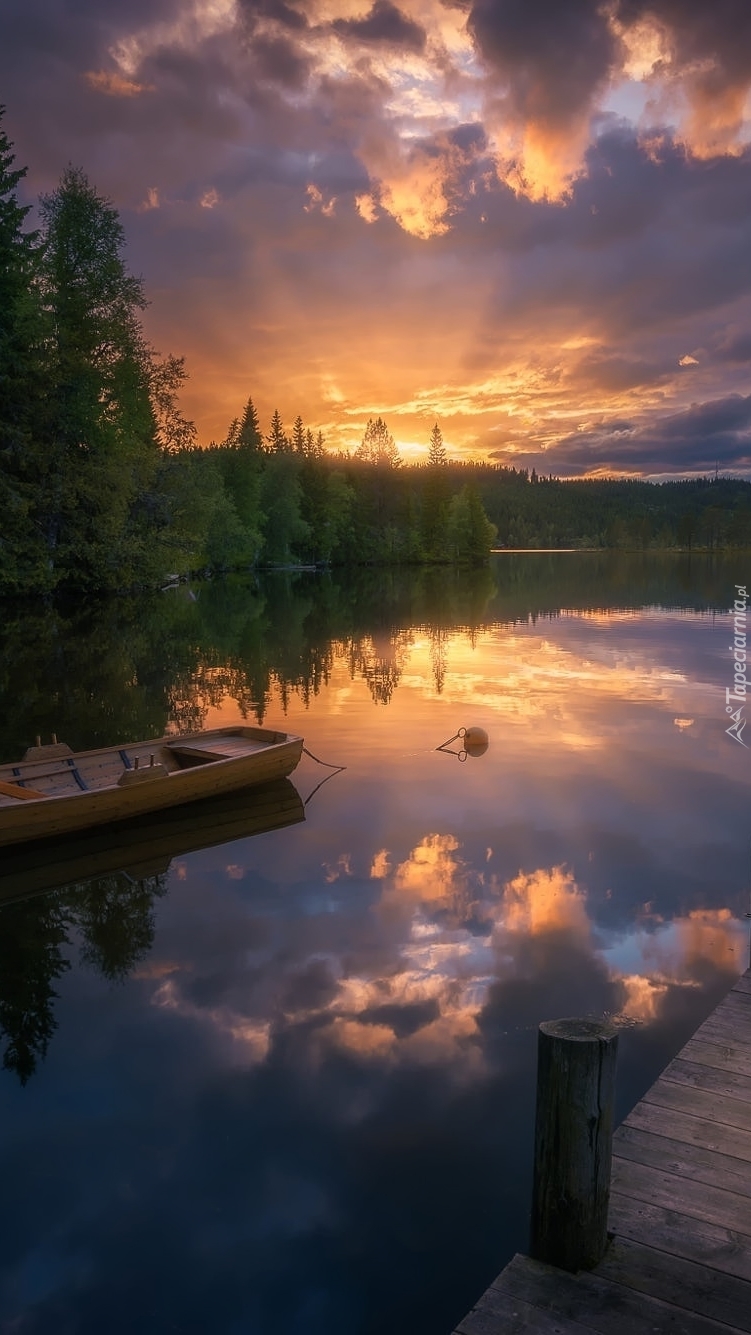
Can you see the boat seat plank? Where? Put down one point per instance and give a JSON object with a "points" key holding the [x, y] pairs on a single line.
{"points": [[207, 752]]}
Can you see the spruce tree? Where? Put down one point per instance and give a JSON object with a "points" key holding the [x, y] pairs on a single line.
{"points": [[298, 436], [276, 438], [106, 443], [249, 436], [436, 449], [24, 415]]}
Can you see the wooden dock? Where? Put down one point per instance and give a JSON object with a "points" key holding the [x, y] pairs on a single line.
{"points": [[679, 1258]]}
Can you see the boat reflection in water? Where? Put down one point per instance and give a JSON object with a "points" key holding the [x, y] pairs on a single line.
{"points": [[96, 894], [146, 846]]}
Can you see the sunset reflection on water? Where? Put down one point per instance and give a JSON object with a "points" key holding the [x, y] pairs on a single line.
{"points": [[318, 1069]]}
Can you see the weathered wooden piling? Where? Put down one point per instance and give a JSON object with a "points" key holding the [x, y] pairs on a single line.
{"points": [[573, 1142]]}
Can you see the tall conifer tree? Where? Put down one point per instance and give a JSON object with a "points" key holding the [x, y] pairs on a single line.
{"points": [[277, 440], [249, 436], [24, 421], [107, 449], [298, 436]]}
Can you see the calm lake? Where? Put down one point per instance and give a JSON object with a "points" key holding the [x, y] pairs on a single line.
{"points": [[284, 1084]]}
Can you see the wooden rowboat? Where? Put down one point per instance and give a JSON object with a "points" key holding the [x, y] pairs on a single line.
{"points": [[54, 791]]}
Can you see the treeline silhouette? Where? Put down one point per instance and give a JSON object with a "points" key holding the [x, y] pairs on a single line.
{"points": [[103, 487]]}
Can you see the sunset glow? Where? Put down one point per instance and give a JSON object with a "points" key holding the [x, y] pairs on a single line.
{"points": [[528, 226]]}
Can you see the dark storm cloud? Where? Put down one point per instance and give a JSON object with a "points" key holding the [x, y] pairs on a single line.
{"points": [[551, 56], [384, 25], [734, 348], [694, 441], [699, 30], [275, 11], [278, 59], [640, 250]]}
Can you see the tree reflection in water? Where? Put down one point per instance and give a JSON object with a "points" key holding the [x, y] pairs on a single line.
{"points": [[122, 669], [114, 917]]}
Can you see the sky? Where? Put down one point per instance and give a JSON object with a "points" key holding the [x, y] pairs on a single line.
{"points": [[528, 220]]}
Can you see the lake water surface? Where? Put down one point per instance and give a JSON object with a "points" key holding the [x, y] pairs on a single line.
{"points": [[284, 1084]]}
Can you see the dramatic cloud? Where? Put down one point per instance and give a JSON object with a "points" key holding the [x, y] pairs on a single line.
{"points": [[532, 221], [385, 24]]}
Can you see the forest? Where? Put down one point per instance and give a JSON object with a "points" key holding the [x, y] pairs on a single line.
{"points": [[103, 486]]}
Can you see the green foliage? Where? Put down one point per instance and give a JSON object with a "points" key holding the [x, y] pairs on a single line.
{"points": [[298, 436], [276, 439], [285, 530], [470, 532], [24, 332], [103, 454], [166, 377], [249, 435]]}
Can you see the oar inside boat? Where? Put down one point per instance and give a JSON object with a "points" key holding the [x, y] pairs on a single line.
{"points": [[15, 790]]}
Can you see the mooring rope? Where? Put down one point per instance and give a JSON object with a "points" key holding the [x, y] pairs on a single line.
{"points": [[335, 769], [322, 762], [446, 746]]}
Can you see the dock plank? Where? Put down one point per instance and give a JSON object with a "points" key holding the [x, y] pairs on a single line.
{"points": [[721, 1054], [681, 1283], [714, 1245], [736, 1004], [722, 1110], [700, 1076], [723, 1027], [499, 1311], [612, 1309], [715, 1166], [698, 1200]]}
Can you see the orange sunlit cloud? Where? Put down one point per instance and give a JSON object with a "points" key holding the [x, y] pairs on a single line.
{"points": [[115, 85], [448, 211], [545, 901]]}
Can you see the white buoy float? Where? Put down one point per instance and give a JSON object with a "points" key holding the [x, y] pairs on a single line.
{"points": [[476, 741]]}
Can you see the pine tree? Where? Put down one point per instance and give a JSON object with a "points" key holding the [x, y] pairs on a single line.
{"points": [[249, 436], [232, 439], [437, 449], [298, 436], [24, 410], [106, 450], [377, 446], [320, 445], [277, 440]]}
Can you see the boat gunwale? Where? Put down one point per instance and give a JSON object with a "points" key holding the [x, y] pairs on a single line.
{"points": [[237, 730]]}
